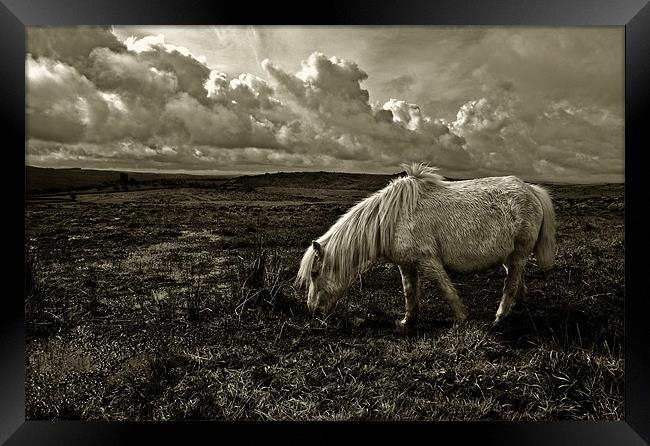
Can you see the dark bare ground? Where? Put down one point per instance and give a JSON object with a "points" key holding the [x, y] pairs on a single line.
{"points": [[140, 309]]}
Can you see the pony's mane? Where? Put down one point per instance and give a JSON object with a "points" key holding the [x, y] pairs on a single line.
{"points": [[365, 232]]}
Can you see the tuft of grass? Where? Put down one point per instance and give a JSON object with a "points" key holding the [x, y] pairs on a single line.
{"points": [[195, 294], [38, 294], [260, 279], [94, 305], [46, 312]]}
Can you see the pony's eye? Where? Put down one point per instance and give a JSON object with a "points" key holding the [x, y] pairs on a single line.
{"points": [[314, 274]]}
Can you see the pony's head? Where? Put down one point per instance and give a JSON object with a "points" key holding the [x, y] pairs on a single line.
{"points": [[324, 288]]}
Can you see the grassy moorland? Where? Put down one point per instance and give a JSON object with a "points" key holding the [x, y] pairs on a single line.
{"points": [[179, 304]]}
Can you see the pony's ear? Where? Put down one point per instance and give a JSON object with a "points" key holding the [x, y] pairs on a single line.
{"points": [[317, 248]]}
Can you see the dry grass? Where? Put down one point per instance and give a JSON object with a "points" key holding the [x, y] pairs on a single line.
{"points": [[167, 308]]}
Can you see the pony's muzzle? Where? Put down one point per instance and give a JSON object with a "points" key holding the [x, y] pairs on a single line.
{"points": [[325, 310]]}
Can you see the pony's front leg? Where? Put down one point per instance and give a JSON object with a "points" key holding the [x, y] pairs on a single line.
{"points": [[412, 293]]}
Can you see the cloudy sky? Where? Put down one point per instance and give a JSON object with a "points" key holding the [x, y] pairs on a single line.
{"points": [[542, 103]]}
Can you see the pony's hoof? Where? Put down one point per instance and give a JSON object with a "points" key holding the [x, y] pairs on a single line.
{"points": [[460, 318], [402, 325]]}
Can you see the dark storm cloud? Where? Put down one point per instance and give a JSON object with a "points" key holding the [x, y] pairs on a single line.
{"points": [[97, 102], [70, 45]]}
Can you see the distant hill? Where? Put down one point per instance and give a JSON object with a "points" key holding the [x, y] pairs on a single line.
{"points": [[49, 180], [312, 180]]}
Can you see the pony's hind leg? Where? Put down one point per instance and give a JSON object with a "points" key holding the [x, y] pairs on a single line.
{"points": [[412, 294], [522, 293], [436, 272], [513, 287]]}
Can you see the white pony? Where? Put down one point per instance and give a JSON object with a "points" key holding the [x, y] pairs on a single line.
{"points": [[428, 226]]}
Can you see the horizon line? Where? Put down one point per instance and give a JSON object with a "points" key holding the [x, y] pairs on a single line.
{"points": [[242, 174]]}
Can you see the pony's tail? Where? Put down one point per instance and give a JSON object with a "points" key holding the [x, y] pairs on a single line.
{"points": [[545, 245]]}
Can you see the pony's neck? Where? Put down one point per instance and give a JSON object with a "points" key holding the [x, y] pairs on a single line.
{"points": [[346, 265], [358, 238]]}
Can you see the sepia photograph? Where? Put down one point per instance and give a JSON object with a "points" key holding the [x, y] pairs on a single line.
{"points": [[306, 223]]}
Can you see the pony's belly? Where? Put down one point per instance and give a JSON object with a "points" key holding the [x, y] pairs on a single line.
{"points": [[473, 265], [468, 262], [477, 247]]}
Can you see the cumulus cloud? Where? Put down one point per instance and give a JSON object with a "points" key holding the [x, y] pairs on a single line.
{"points": [[338, 116], [189, 70], [131, 75], [246, 90], [61, 103], [216, 125], [563, 139], [326, 85], [411, 117], [96, 102], [154, 43]]}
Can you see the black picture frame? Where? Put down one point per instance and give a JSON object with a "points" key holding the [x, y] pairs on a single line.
{"points": [[634, 15]]}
